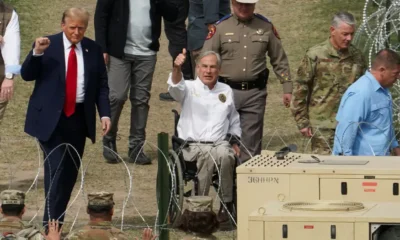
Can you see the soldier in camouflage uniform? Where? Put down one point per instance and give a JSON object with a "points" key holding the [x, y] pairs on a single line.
{"points": [[100, 208], [325, 73], [12, 208]]}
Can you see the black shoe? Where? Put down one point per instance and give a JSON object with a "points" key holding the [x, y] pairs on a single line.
{"points": [[166, 97], [110, 156], [134, 156], [224, 217]]}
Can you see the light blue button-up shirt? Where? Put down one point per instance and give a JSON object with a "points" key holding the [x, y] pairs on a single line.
{"points": [[365, 120]]}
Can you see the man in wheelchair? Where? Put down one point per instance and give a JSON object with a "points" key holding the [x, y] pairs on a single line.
{"points": [[209, 125]]}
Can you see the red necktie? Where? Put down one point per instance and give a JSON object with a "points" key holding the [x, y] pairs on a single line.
{"points": [[71, 83]]}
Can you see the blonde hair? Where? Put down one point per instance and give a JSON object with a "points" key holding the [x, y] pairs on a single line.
{"points": [[79, 13]]}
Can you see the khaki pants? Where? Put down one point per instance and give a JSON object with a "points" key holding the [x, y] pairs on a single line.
{"points": [[3, 103], [208, 157], [322, 141]]}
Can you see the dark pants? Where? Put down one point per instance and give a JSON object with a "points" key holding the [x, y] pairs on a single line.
{"points": [[177, 36], [133, 74], [250, 105], [62, 164]]}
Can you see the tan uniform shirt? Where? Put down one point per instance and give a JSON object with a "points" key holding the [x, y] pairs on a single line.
{"points": [[243, 47]]}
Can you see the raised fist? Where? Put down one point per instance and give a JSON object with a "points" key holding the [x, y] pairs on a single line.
{"points": [[41, 44]]}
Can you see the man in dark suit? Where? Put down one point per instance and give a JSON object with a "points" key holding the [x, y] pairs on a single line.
{"points": [[71, 80]]}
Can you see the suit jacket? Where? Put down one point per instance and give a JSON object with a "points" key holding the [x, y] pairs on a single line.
{"points": [[111, 20], [202, 13], [47, 100]]}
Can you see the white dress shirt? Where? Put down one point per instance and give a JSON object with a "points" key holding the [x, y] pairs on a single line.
{"points": [[10, 48], [207, 115], [80, 87]]}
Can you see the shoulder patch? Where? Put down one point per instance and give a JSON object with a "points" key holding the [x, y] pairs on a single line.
{"points": [[275, 32], [211, 32], [268, 21], [223, 18]]}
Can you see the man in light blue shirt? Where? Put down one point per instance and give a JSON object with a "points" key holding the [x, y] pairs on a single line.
{"points": [[365, 115]]}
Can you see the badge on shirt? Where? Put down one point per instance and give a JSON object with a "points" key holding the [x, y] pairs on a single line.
{"points": [[211, 32], [229, 34], [222, 97], [260, 31]]}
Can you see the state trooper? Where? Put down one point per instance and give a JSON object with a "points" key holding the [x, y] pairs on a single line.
{"points": [[243, 39]]}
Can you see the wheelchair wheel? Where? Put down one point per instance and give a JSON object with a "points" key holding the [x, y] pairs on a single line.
{"points": [[176, 206]]}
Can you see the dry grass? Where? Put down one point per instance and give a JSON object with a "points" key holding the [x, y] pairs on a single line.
{"points": [[301, 24]]}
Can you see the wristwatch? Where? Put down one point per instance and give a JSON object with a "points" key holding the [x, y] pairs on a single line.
{"points": [[10, 76]]}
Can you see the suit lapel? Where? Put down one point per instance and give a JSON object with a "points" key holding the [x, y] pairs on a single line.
{"points": [[60, 54], [85, 54]]}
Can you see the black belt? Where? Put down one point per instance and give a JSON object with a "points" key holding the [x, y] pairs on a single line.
{"points": [[202, 142], [260, 82], [243, 85]]}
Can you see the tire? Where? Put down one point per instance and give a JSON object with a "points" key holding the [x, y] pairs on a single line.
{"points": [[176, 205]]}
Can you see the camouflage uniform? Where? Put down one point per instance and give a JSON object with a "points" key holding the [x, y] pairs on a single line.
{"points": [[98, 230], [322, 78], [13, 225]]}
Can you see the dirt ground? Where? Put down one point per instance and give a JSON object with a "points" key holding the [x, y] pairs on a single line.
{"points": [[301, 24]]}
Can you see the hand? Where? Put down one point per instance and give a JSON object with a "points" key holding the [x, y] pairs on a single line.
{"points": [[210, 26], [236, 149], [7, 89], [180, 59], [1, 39], [147, 234], [54, 231], [105, 124], [106, 58], [306, 132], [396, 151], [287, 97], [41, 44]]}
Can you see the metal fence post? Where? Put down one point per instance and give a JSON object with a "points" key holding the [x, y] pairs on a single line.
{"points": [[163, 186]]}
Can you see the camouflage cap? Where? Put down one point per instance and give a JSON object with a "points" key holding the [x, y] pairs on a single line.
{"points": [[12, 197], [199, 203], [101, 199]]}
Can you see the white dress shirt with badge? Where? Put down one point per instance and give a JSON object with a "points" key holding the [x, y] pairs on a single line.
{"points": [[207, 114], [10, 47]]}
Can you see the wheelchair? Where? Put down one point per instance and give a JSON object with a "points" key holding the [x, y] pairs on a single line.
{"points": [[184, 173]]}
